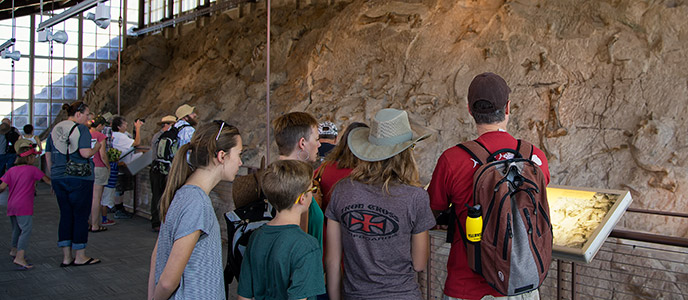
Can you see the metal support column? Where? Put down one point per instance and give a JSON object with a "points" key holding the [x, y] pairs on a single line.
{"points": [[80, 60], [32, 67], [142, 13], [573, 281], [560, 280]]}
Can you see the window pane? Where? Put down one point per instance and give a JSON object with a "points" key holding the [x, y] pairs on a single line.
{"points": [[40, 109], [40, 122]]}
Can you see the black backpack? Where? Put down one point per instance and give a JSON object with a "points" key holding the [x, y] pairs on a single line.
{"points": [[168, 144]]}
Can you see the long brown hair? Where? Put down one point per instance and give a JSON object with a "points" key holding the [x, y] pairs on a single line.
{"points": [[204, 145], [396, 170], [341, 153]]}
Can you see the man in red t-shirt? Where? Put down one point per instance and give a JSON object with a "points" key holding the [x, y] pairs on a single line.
{"points": [[489, 105]]}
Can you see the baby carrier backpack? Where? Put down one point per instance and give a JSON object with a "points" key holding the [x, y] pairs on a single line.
{"points": [[168, 144], [515, 249], [254, 211]]}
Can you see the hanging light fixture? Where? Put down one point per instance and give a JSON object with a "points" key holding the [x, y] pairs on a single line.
{"points": [[47, 35], [102, 15]]}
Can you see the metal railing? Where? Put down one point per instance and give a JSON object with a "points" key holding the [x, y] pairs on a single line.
{"points": [[629, 265]]}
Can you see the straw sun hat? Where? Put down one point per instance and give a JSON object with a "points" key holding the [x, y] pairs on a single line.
{"points": [[389, 134]]}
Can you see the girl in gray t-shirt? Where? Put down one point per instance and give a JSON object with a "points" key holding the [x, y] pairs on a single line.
{"points": [[379, 217], [187, 260]]}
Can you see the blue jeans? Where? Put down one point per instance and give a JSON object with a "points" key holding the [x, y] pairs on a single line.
{"points": [[74, 198], [6, 162]]}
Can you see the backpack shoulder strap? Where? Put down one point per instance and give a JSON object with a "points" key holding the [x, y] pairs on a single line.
{"points": [[69, 135], [525, 148], [476, 150]]}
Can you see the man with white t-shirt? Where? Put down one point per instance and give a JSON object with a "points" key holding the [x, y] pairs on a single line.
{"points": [[452, 181], [123, 142]]}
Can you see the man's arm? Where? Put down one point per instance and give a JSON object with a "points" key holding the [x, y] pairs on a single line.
{"points": [[3, 186]]}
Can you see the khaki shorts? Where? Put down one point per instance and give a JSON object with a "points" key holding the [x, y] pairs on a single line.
{"points": [[102, 175], [534, 295], [108, 198]]}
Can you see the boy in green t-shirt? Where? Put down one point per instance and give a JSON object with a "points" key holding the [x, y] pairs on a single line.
{"points": [[281, 261]]}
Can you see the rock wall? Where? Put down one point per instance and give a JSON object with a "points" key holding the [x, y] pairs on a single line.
{"points": [[599, 85]]}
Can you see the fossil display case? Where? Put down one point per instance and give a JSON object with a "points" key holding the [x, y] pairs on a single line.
{"points": [[582, 219]]}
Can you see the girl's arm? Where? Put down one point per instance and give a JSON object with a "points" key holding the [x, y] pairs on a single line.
{"points": [[179, 257], [47, 180], [420, 250], [333, 259], [151, 273], [3, 186], [103, 154], [88, 152]]}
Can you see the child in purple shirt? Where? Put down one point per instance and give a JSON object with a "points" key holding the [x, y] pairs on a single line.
{"points": [[21, 180]]}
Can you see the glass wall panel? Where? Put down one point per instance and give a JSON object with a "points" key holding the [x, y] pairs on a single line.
{"points": [[56, 75]]}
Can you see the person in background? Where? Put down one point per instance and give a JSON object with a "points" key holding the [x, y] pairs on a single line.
{"points": [[21, 180], [296, 135], [8, 136], [186, 262], [101, 175], [338, 164], [124, 143], [187, 119], [157, 179], [281, 261], [452, 181], [378, 218], [28, 134], [74, 192], [328, 138]]}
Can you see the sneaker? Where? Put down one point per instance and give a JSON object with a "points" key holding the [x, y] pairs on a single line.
{"points": [[120, 214], [108, 222]]}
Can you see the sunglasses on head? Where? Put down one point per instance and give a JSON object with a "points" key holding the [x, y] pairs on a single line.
{"points": [[222, 125]]}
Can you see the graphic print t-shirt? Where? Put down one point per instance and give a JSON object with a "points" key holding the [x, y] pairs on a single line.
{"points": [[376, 230]]}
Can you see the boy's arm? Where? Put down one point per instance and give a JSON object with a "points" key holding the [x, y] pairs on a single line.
{"points": [[242, 298], [333, 259], [3, 186], [179, 257], [47, 180], [420, 250]]}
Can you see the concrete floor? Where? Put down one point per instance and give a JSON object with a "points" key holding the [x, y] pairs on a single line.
{"points": [[124, 249]]}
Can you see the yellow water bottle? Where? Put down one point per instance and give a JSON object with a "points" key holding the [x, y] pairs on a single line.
{"points": [[474, 224]]}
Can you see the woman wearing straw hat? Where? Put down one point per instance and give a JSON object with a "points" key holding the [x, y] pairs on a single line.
{"points": [[379, 217]]}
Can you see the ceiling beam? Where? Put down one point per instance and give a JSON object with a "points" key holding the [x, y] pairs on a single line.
{"points": [[28, 7]]}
